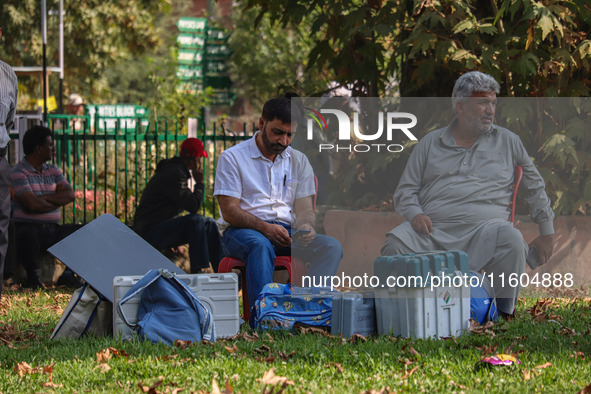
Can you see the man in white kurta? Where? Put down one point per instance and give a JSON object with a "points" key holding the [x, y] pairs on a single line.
{"points": [[456, 190]]}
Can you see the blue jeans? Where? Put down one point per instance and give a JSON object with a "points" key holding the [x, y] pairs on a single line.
{"points": [[324, 254], [201, 233]]}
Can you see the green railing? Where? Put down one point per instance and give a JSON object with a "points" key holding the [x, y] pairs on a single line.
{"points": [[108, 171]]}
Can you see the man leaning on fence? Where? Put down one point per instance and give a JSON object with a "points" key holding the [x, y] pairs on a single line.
{"points": [[8, 97], [265, 189], [457, 186], [40, 190], [166, 195]]}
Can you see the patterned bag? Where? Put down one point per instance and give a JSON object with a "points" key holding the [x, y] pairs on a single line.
{"points": [[281, 306]]}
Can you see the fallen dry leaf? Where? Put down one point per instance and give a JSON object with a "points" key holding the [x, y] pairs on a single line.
{"points": [[104, 367], [157, 384], [586, 390], [229, 389], [104, 355], [144, 389], [413, 352], [284, 356], [232, 349], [312, 330], [569, 332], [490, 349], [215, 389], [526, 374], [51, 384], [546, 365], [108, 353], [263, 349], [23, 368], [269, 377], [409, 373], [484, 329], [338, 366], [357, 338], [182, 344], [578, 354]]}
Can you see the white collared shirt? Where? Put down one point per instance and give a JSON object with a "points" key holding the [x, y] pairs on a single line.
{"points": [[266, 189]]}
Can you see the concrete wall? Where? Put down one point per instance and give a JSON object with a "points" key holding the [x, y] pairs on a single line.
{"points": [[362, 234]]}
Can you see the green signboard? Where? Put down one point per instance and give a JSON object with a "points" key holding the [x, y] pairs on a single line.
{"points": [[187, 56], [190, 41], [214, 34], [192, 25], [202, 60], [189, 72], [218, 51], [126, 116], [216, 67], [222, 97]]}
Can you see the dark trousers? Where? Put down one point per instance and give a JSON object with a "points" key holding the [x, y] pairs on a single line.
{"points": [[201, 233], [4, 213], [32, 239]]}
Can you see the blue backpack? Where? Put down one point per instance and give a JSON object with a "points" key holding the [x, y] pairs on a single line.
{"points": [[280, 306], [168, 310], [483, 304]]}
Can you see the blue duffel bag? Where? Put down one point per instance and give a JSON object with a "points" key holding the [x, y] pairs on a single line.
{"points": [[168, 310]]}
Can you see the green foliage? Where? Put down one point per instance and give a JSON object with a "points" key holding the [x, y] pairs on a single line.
{"points": [[533, 48], [555, 133], [269, 60], [97, 34]]}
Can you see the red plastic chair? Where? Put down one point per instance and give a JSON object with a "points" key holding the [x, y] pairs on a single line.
{"points": [[517, 181], [295, 268]]}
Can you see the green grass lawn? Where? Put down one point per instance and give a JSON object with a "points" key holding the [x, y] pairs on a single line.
{"points": [[550, 337]]}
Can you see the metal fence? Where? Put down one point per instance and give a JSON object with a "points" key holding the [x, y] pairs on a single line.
{"points": [[108, 170]]}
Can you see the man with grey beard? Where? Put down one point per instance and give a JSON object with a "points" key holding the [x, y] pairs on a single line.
{"points": [[457, 186]]}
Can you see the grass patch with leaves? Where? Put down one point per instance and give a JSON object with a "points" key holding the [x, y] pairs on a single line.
{"points": [[549, 336]]}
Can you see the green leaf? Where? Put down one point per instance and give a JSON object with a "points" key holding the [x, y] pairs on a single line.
{"points": [[561, 148], [462, 55], [488, 28], [546, 24], [463, 25], [584, 49], [527, 64]]}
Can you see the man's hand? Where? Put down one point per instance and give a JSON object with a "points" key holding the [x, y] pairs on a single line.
{"points": [[544, 244], [196, 170], [305, 239], [421, 223], [277, 234]]}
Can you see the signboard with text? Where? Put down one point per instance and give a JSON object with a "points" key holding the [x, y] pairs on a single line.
{"points": [[202, 60]]}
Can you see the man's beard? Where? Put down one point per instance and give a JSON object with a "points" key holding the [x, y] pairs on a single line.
{"points": [[274, 148], [479, 124]]}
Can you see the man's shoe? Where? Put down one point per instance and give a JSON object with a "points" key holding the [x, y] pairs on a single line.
{"points": [[69, 279], [34, 283]]}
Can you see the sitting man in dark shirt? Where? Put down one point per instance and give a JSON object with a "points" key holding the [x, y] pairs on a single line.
{"points": [[168, 194]]}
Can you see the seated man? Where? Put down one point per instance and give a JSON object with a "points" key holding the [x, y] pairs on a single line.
{"points": [[263, 186], [457, 186], [168, 194], [40, 190]]}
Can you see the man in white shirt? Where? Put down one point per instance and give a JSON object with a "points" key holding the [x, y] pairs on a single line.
{"points": [[265, 188]]}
